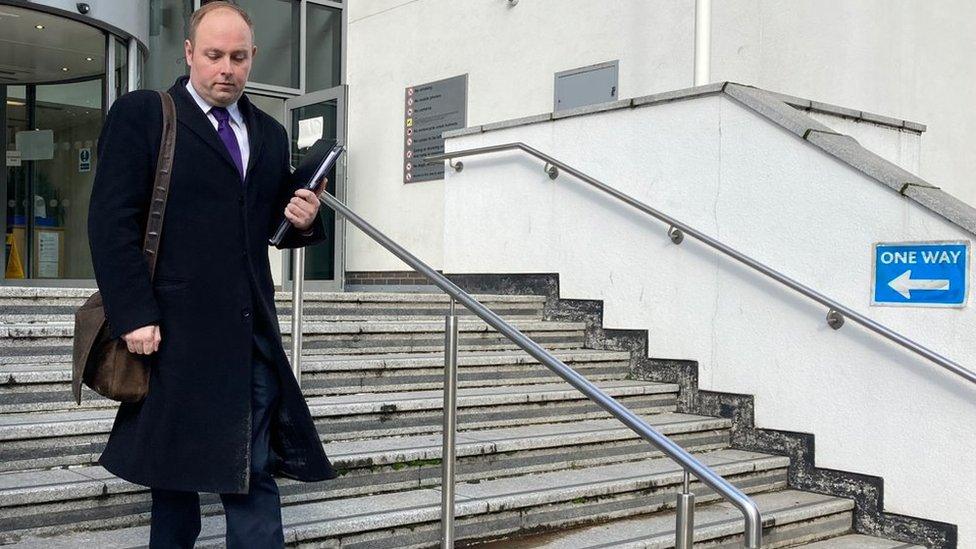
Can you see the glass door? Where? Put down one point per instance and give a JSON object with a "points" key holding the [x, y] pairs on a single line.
{"points": [[310, 117]]}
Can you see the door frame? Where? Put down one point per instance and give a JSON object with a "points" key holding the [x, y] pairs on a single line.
{"points": [[338, 94]]}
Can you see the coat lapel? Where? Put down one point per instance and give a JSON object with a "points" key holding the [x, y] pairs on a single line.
{"points": [[255, 137], [188, 113]]}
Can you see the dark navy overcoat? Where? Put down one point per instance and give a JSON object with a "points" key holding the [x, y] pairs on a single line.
{"points": [[212, 285]]}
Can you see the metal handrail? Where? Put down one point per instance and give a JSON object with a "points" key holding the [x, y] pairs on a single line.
{"points": [[836, 313], [690, 465]]}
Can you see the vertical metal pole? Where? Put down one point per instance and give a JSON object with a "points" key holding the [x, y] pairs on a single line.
{"points": [[133, 65], [297, 285], [684, 530], [450, 427], [110, 95], [703, 42], [30, 188], [3, 180]]}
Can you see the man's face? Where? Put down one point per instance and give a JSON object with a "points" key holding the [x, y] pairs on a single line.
{"points": [[220, 57]]}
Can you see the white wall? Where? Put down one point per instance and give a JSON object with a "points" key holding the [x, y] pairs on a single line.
{"points": [[511, 56], [909, 59], [874, 408]]}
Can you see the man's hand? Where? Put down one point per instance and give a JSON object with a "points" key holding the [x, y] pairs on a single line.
{"points": [[304, 206], [143, 341]]}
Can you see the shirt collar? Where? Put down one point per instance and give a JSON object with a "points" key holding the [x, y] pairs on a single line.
{"points": [[233, 109]]}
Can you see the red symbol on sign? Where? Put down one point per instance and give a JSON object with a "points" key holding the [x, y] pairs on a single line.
{"points": [[409, 166], [409, 154], [410, 101], [409, 177], [409, 91], [409, 141], [409, 131], [409, 112]]}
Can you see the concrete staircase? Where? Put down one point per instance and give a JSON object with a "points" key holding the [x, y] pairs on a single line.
{"points": [[538, 465]]}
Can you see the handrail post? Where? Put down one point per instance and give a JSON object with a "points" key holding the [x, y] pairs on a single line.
{"points": [[297, 287], [684, 531], [450, 428], [750, 512]]}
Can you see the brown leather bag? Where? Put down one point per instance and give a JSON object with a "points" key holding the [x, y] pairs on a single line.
{"points": [[102, 363]]}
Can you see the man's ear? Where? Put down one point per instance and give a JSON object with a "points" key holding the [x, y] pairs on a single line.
{"points": [[188, 52], [254, 51]]}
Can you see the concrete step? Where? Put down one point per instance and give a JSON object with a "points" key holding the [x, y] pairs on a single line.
{"points": [[47, 342], [47, 387], [43, 500], [19, 304], [54, 439], [489, 508], [858, 541], [790, 517]]}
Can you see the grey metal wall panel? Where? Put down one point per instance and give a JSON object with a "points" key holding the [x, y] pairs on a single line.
{"points": [[586, 86]]}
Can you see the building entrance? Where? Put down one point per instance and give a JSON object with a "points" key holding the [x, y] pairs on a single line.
{"points": [[56, 74], [310, 117]]}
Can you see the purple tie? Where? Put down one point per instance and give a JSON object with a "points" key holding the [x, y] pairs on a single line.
{"points": [[227, 136]]}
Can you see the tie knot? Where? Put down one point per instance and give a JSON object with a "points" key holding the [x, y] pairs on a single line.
{"points": [[220, 113]]}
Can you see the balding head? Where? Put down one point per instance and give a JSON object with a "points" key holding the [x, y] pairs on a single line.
{"points": [[219, 52], [214, 6]]}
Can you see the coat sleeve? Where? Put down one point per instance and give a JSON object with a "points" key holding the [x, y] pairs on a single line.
{"points": [[293, 237], [118, 210]]}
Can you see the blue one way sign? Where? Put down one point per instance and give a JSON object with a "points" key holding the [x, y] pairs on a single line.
{"points": [[923, 274]]}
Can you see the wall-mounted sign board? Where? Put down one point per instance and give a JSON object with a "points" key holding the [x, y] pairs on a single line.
{"points": [[921, 274], [430, 110]]}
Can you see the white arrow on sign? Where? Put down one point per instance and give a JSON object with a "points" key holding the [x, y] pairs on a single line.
{"points": [[904, 284]]}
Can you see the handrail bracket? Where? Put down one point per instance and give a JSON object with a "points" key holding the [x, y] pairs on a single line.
{"points": [[553, 171], [676, 235]]}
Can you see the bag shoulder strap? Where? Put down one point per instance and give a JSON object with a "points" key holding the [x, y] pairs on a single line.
{"points": [[164, 168]]}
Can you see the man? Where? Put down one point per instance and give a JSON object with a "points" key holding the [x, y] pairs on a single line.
{"points": [[223, 411]]}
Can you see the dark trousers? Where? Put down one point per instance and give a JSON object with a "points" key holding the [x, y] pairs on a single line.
{"points": [[253, 519]]}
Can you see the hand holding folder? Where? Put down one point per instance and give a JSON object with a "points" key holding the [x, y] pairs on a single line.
{"points": [[319, 160]]}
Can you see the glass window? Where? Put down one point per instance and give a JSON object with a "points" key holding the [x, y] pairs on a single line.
{"points": [[324, 48], [15, 264], [277, 25], [141, 72], [319, 259], [50, 131], [62, 183], [168, 24], [121, 68]]}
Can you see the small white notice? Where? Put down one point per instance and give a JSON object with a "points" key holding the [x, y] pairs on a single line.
{"points": [[13, 159], [49, 248], [310, 131], [35, 144]]}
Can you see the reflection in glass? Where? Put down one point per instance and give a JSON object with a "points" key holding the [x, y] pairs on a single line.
{"points": [[276, 34], [169, 21], [62, 184], [319, 259], [121, 68], [324, 43], [15, 266]]}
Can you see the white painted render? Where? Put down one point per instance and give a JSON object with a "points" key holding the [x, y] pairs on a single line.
{"points": [[511, 56], [908, 59], [875, 408]]}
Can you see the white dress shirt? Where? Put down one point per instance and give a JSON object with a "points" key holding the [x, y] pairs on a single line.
{"points": [[236, 122]]}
